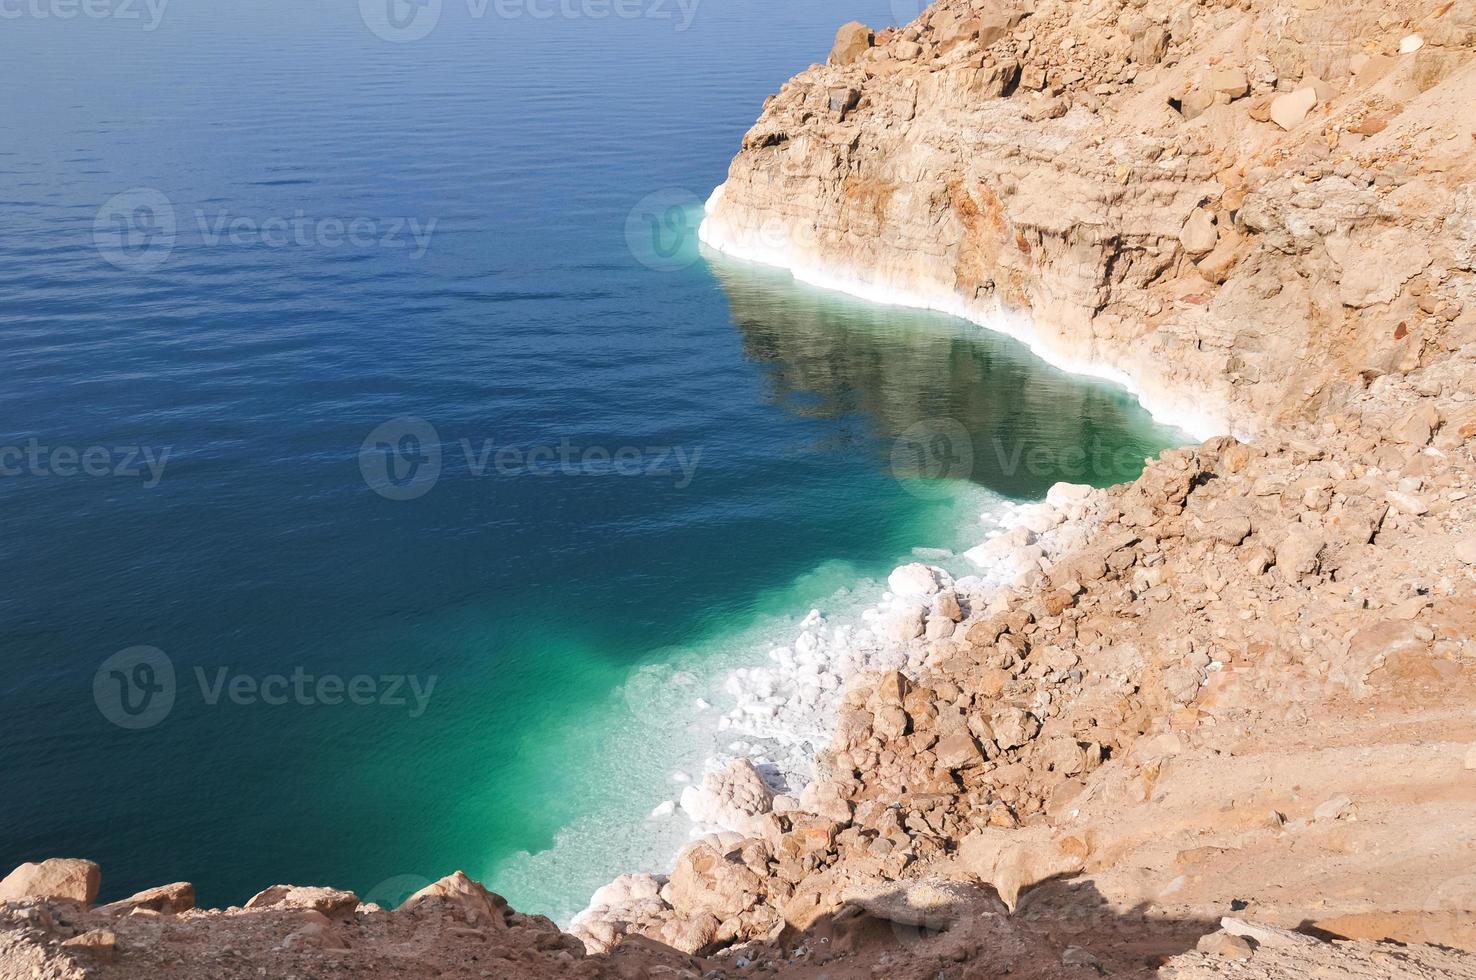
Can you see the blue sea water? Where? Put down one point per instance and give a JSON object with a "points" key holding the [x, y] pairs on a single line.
{"points": [[371, 417]]}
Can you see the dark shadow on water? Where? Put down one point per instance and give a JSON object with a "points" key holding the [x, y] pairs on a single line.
{"points": [[944, 397]]}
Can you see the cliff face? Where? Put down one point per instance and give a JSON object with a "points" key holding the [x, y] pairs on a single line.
{"points": [[1248, 209]]}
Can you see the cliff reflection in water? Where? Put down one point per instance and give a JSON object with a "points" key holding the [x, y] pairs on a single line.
{"points": [[937, 395]]}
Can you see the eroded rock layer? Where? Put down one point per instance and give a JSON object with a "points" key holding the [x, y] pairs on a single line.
{"points": [[1249, 209]]}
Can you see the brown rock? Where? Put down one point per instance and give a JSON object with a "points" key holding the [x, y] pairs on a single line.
{"points": [[1150, 46], [64, 879], [958, 751], [1288, 111], [99, 944], [1013, 860], [178, 897], [1225, 944], [851, 42], [461, 896], [326, 901]]}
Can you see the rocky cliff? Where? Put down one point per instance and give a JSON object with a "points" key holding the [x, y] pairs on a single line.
{"points": [[1248, 210], [1219, 721]]}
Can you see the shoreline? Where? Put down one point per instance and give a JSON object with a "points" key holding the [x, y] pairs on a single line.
{"points": [[1166, 410], [789, 698]]}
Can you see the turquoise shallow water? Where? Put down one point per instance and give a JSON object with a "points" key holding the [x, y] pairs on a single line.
{"points": [[243, 250]]}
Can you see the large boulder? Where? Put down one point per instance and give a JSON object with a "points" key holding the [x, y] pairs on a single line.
{"points": [[913, 581], [851, 42], [733, 799], [178, 897], [461, 897], [1013, 860], [64, 879], [1288, 110], [330, 902], [708, 881]]}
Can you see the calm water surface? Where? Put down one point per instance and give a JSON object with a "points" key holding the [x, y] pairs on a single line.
{"points": [[244, 251]]}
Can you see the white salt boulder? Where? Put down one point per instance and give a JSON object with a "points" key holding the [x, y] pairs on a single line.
{"points": [[732, 799], [1064, 495], [913, 581]]}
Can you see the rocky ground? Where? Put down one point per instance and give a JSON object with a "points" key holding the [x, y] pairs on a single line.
{"points": [[1220, 724]]}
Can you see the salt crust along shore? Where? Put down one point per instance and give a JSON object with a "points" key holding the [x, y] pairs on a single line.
{"points": [[1184, 414], [783, 713]]}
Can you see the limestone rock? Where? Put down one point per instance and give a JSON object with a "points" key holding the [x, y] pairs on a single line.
{"points": [[1225, 944], [934, 904], [1013, 860], [67, 879], [1288, 111], [330, 902], [462, 897], [851, 42], [98, 944], [1198, 235], [178, 897], [1264, 935]]}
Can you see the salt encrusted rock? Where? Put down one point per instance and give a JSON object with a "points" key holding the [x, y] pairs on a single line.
{"points": [[67, 879], [1063, 495], [733, 798], [913, 581]]}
